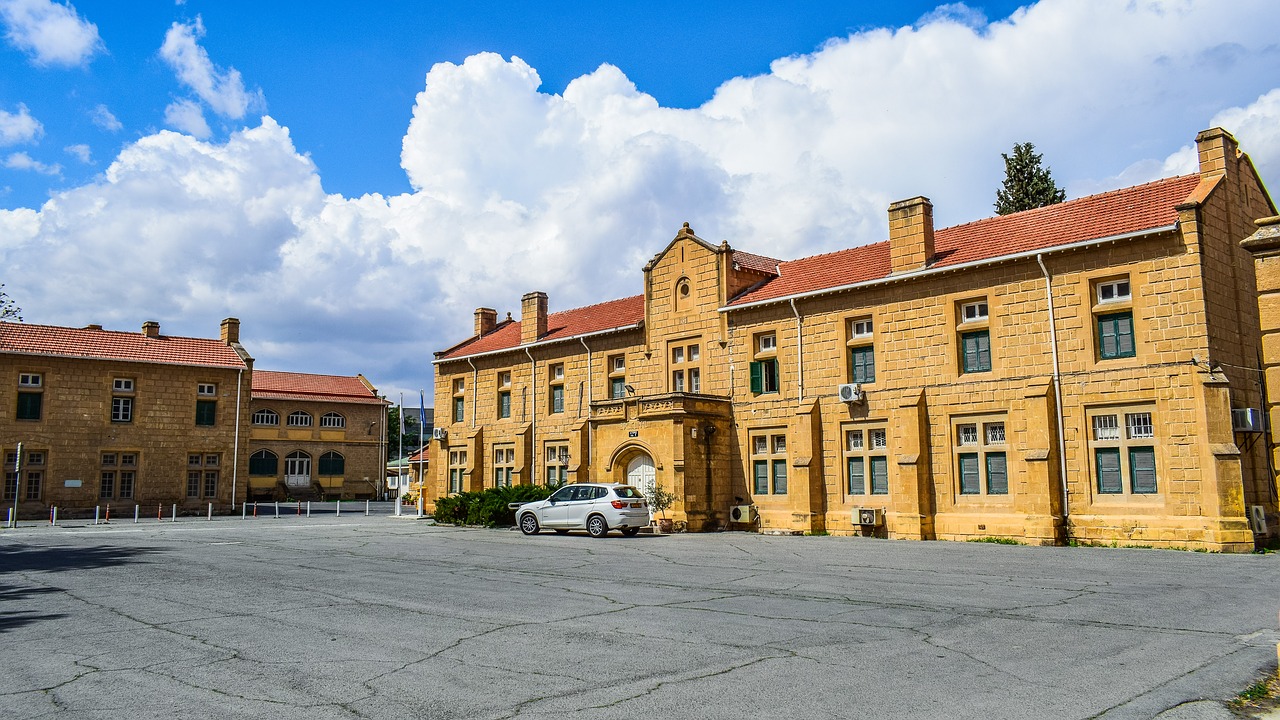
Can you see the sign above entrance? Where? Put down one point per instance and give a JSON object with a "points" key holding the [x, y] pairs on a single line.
{"points": [[633, 433]]}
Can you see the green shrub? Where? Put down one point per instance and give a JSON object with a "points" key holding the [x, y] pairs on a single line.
{"points": [[997, 540], [488, 508]]}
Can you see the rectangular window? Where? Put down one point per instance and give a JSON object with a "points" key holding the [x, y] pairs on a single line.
{"points": [[879, 476], [976, 350], [210, 483], [685, 371], [862, 363], [972, 311], [677, 355], [30, 380], [618, 363], [557, 399], [557, 371], [127, 482], [981, 462], [193, 483], [695, 380], [29, 405], [866, 460], [860, 328], [557, 463], [459, 409], [504, 404], [504, 458], [769, 463], [107, 485], [677, 381], [206, 389], [857, 471], [10, 484], [121, 409], [35, 478], [122, 385], [457, 469], [206, 412], [1114, 291], [617, 388], [1115, 336], [766, 343], [1124, 441], [764, 376]]}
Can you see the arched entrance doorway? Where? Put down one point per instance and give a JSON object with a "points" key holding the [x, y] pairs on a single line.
{"points": [[641, 475], [297, 469]]}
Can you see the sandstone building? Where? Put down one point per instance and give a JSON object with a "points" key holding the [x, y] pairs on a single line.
{"points": [[1087, 372], [106, 417], [315, 436]]}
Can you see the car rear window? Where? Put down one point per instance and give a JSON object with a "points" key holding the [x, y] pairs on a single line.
{"points": [[627, 491]]}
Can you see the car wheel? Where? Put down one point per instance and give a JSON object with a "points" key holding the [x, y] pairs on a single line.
{"points": [[597, 527], [630, 532], [529, 524], [562, 532]]}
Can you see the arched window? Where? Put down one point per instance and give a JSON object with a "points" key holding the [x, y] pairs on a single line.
{"points": [[332, 420], [331, 463], [266, 417], [264, 462], [299, 419]]}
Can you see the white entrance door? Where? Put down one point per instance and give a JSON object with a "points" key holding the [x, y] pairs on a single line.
{"points": [[641, 476], [297, 470]]}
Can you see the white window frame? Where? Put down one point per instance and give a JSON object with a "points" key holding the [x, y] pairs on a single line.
{"points": [[206, 389], [974, 311], [30, 380], [861, 328], [1121, 291], [263, 413], [298, 415], [767, 342], [122, 385], [333, 421]]}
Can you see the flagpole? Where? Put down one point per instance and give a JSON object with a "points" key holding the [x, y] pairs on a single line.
{"points": [[422, 452], [400, 453]]}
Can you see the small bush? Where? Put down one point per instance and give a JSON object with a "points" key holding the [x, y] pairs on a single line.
{"points": [[488, 508], [997, 540]]}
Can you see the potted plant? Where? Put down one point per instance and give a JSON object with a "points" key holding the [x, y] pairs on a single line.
{"points": [[661, 500]]}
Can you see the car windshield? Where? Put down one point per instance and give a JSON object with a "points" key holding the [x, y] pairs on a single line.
{"points": [[626, 491]]}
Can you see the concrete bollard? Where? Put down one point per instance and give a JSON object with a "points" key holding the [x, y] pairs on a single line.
{"points": [[338, 511], [277, 509], [54, 522], [366, 508], [210, 511], [308, 508], [244, 508], [175, 512], [97, 510], [135, 513]]}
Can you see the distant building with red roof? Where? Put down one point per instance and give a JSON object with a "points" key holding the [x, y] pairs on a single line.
{"points": [[107, 417], [1061, 374]]}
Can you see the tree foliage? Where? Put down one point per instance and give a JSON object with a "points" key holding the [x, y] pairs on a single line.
{"points": [[9, 310], [412, 432], [488, 507], [1027, 183]]}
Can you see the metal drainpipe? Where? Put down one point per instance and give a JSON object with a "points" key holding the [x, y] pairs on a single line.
{"points": [[590, 395], [799, 348], [475, 396], [533, 418], [235, 456], [1057, 388]]}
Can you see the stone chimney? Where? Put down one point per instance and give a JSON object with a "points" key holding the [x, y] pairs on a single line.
{"points": [[910, 234], [486, 320], [1215, 147], [533, 317], [151, 329], [231, 330]]}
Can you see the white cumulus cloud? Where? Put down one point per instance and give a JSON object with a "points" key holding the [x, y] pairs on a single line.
{"points": [[188, 117], [81, 152], [51, 33], [103, 118], [19, 127], [222, 90], [516, 188], [23, 161]]}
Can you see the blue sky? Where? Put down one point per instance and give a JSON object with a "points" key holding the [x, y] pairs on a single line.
{"points": [[351, 180]]}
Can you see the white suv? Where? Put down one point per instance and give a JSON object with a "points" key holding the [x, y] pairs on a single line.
{"points": [[594, 507]]}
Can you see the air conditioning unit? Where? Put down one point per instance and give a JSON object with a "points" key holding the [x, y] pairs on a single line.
{"points": [[439, 434], [742, 513], [1258, 519], [868, 516], [851, 392], [1248, 420]]}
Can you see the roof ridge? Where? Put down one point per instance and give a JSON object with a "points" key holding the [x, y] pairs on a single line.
{"points": [[126, 333], [593, 305]]}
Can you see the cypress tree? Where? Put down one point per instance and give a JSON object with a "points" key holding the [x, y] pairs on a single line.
{"points": [[1027, 184]]}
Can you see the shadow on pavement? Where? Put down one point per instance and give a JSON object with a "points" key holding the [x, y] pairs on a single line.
{"points": [[22, 558]]}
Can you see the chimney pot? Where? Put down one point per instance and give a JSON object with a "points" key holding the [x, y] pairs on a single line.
{"points": [[231, 330], [533, 317], [910, 234], [151, 329]]}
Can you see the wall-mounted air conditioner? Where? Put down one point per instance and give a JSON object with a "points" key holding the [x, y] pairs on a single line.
{"points": [[1246, 420], [868, 516], [850, 392], [742, 513], [1258, 519], [439, 434]]}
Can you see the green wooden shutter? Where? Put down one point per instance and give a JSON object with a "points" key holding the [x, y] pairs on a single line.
{"points": [[757, 377]]}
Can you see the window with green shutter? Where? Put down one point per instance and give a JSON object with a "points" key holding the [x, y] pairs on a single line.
{"points": [[779, 477], [764, 376], [504, 404], [1108, 466], [862, 362], [857, 476], [1142, 470], [761, 485], [1115, 336], [206, 412], [879, 476], [969, 483], [997, 474], [976, 351]]}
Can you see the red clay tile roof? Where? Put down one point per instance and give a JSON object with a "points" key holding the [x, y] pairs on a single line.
{"points": [[272, 385], [1143, 207], [756, 263], [25, 339], [611, 315]]}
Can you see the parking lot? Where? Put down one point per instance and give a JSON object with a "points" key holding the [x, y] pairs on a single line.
{"points": [[378, 617]]}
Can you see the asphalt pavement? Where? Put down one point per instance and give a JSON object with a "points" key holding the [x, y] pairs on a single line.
{"points": [[383, 617]]}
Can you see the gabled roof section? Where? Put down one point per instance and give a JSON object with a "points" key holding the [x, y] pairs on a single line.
{"points": [[622, 314], [96, 344], [272, 385], [756, 263], [1119, 212]]}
